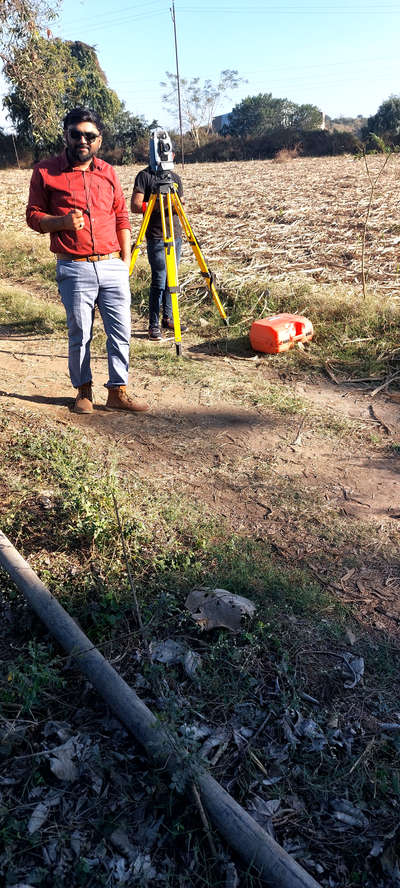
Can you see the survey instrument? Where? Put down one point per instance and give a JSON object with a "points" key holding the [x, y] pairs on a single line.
{"points": [[164, 190]]}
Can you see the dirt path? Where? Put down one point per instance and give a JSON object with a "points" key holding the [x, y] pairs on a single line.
{"points": [[188, 431], [224, 455]]}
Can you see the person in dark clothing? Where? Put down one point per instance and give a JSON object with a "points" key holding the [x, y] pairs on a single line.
{"points": [[160, 296]]}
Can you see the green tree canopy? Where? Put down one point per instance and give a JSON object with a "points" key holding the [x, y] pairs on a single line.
{"points": [[48, 77], [386, 119], [255, 115], [90, 87], [124, 133], [39, 75]]}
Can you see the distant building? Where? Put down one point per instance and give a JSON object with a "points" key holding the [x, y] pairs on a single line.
{"points": [[219, 122]]}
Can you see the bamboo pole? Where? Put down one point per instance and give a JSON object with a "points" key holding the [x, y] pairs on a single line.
{"points": [[251, 842]]}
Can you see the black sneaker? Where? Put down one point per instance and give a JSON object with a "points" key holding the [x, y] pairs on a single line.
{"points": [[168, 324], [155, 334]]}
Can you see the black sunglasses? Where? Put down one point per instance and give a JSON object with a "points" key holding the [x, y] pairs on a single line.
{"points": [[76, 135]]}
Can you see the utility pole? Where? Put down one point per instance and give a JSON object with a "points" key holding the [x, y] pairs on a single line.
{"points": [[172, 10]]}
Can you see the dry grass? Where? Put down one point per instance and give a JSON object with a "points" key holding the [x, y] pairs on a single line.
{"points": [[286, 154], [279, 220], [283, 221]]}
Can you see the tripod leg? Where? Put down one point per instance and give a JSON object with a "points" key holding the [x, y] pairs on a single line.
{"points": [[142, 231], [172, 273], [205, 271]]}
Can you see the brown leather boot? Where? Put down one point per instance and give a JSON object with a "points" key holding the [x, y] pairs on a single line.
{"points": [[84, 399], [119, 400]]}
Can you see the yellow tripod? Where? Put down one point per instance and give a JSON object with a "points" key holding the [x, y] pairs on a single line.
{"points": [[165, 186]]}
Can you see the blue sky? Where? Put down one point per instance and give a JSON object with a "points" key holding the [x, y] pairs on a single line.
{"points": [[342, 57]]}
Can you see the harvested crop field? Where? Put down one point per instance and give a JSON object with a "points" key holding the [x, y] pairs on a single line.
{"points": [[302, 217]]}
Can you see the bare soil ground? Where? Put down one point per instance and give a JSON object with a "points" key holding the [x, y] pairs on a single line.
{"points": [[338, 454], [214, 451], [299, 219]]}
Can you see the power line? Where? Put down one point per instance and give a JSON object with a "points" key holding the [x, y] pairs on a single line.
{"points": [[340, 64], [303, 10], [272, 70], [114, 23], [110, 16]]}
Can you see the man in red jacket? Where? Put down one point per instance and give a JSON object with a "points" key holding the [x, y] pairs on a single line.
{"points": [[78, 200]]}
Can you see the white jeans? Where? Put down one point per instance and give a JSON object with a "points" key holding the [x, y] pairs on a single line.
{"points": [[82, 286]]}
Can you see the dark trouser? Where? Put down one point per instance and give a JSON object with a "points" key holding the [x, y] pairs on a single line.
{"points": [[159, 292]]}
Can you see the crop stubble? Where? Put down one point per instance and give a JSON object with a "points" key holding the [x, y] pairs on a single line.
{"points": [[263, 219]]}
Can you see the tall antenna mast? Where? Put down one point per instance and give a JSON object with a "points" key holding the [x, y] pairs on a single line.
{"points": [[172, 10]]}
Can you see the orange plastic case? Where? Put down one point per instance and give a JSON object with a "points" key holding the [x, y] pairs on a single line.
{"points": [[280, 333]]}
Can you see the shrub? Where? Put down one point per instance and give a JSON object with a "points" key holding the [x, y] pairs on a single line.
{"points": [[286, 154]]}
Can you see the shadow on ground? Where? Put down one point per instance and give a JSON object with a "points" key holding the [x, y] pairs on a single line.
{"points": [[239, 346]]}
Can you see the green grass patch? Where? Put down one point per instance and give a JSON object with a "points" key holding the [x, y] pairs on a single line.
{"points": [[362, 342], [27, 258], [31, 677], [281, 660], [23, 312], [172, 545]]}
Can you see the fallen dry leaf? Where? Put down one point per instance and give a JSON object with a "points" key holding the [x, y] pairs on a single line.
{"points": [[41, 812], [61, 763], [218, 607], [167, 652]]}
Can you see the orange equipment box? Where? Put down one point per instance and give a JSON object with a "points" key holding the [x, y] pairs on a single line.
{"points": [[280, 333]]}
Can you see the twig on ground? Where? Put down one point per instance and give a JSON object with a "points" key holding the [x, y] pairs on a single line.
{"points": [[258, 763], [363, 755], [204, 820], [381, 422], [363, 379], [385, 383], [330, 373], [372, 182], [297, 440], [242, 752]]}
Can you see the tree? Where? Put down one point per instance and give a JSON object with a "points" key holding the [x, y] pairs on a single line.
{"points": [[21, 18], [90, 87], [199, 101], [49, 76], [307, 117], [124, 134], [386, 119], [255, 115], [22, 25], [39, 73]]}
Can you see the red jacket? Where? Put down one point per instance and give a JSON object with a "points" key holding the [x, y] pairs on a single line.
{"points": [[56, 188]]}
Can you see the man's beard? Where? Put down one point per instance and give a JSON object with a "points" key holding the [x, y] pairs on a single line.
{"points": [[80, 153]]}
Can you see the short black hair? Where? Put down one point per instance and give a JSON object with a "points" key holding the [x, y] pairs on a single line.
{"points": [[81, 115]]}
